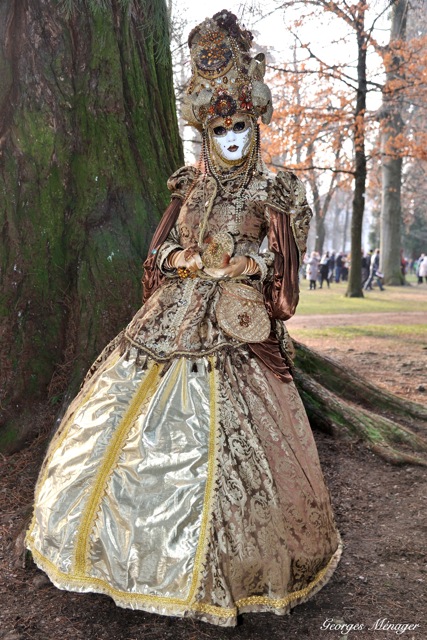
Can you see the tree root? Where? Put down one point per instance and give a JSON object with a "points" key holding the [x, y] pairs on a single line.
{"points": [[341, 404]]}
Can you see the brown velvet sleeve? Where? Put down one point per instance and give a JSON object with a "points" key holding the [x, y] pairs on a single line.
{"points": [[281, 293], [153, 277]]}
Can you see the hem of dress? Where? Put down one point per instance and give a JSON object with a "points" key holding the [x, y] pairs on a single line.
{"points": [[220, 616]]}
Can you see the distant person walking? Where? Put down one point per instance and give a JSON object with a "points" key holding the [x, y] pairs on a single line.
{"points": [[374, 272], [338, 267], [422, 269], [346, 261], [331, 267], [366, 261], [403, 264], [312, 269], [324, 270]]}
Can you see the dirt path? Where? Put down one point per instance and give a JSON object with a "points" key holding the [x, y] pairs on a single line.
{"points": [[380, 510], [386, 359], [349, 319]]}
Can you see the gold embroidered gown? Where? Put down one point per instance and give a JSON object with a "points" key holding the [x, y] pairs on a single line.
{"points": [[184, 479]]}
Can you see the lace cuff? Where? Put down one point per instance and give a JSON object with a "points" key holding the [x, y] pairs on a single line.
{"points": [[261, 263], [162, 255]]}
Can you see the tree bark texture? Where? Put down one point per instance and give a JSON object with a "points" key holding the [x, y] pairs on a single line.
{"points": [[88, 137], [392, 126], [354, 289], [391, 213], [320, 234]]}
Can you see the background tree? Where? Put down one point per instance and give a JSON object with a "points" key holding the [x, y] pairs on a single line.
{"points": [[353, 15], [321, 203], [397, 69], [403, 118], [307, 136], [415, 210], [88, 137], [337, 226], [414, 186], [392, 126]]}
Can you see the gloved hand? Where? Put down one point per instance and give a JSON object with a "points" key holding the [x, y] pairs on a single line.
{"points": [[185, 259], [235, 267]]}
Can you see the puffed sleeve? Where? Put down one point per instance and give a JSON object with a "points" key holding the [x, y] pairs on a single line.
{"points": [[289, 219], [179, 185], [181, 181]]}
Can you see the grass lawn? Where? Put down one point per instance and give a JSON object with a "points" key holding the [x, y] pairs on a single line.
{"points": [[393, 299], [409, 332]]}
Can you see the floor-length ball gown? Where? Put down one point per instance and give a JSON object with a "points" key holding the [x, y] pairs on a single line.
{"points": [[184, 479]]}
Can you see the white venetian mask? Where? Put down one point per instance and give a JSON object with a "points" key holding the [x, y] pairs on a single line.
{"points": [[232, 143]]}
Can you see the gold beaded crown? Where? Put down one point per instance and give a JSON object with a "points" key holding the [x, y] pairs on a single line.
{"points": [[225, 78]]}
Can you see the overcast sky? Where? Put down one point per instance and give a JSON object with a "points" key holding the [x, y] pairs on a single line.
{"points": [[269, 25]]}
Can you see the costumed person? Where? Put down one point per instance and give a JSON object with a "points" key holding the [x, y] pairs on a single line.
{"points": [[184, 479]]}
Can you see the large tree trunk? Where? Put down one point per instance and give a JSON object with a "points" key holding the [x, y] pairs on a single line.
{"points": [[354, 289], [391, 128], [88, 138]]}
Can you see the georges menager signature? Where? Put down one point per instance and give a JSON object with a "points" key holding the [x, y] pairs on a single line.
{"points": [[382, 624]]}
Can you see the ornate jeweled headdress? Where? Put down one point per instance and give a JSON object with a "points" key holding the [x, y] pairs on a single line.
{"points": [[225, 78]]}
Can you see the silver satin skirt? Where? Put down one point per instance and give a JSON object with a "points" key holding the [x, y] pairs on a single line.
{"points": [[188, 490]]}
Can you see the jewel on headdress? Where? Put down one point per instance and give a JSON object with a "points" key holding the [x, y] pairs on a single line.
{"points": [[213, 57], [225, 105], [245, 99], [203, 112], [246, 105]]}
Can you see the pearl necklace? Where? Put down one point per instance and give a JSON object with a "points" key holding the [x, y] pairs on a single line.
{"points": [[245, 172]]}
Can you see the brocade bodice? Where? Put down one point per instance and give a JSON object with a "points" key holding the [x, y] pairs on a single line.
{"points": [[210, 210], [179, 316]]}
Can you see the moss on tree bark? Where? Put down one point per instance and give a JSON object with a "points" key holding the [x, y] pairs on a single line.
{"points": [[88, 140]]}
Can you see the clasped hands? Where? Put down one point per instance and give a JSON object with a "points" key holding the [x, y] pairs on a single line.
{"points": [[233, 267]]}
